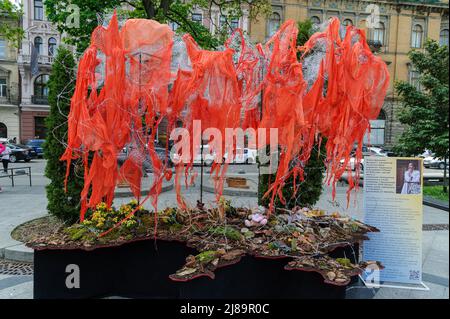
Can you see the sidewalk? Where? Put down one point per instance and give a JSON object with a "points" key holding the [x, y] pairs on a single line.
{"points": [[23, 203]]}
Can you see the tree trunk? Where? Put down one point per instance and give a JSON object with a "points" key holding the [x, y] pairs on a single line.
{"points": [[149, 8], [165, 4]]}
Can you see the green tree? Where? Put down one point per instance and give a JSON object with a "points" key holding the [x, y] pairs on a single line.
{"points": [[310, 189], [64, 205], [179, 12], [424, 107], [305, 31], [10, 16]]}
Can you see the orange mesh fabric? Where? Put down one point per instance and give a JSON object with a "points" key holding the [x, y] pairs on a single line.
{"points": [[122, 94], [356, 82], [134, 66]]}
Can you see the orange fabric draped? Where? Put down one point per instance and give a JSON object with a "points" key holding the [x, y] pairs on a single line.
{"points": [[126, 86]]}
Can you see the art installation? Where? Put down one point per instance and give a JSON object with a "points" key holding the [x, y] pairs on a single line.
{"points": [[134, 77], [131, 78]]}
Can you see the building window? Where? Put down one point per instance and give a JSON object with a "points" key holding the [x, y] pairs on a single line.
{"points": [[233, 24], [222, 22], [41, 89], [51, 46], [377, 130], [197, 17], [274, 23], [413, 78], [3, 88], [347, 22], [315, 21], [417, 35], [378, 33], [443, 37], [2, 48], [40, 130], [174, 26], [3, 130], [38, 10], [38, 44]]}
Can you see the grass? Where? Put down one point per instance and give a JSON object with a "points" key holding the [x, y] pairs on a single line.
{"points": [[435, 192]]}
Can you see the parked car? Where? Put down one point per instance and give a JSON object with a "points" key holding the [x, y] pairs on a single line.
{"points": [[245, 156], [208, 158], [375, 151], [36, 145], [434, 162], [147, 163], [30, 150], [18, 153], [367, 151], [352, 163]]}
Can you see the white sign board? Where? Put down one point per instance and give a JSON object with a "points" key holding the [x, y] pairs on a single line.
{"points": [[393, 204]]}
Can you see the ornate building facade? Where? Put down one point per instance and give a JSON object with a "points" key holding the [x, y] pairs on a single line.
{"points": [[402, 26], [35, 58], [9, 86]]}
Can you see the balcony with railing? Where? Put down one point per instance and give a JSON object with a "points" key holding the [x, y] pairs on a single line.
{"points": [[42, 59], [39, 99], [374, 45]]}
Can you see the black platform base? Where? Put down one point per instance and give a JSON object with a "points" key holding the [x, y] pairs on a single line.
{"points": [[142, 269]]}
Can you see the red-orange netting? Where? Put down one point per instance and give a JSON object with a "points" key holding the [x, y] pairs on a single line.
{"points": [[132, 78]]}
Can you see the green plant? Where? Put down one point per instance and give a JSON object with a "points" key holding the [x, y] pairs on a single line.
{"points": [[11, 14], [225, 204], [206, 256], [63, 204], [345, 262], [169, 216], [435, 192], [309, 190], [226, 231]]}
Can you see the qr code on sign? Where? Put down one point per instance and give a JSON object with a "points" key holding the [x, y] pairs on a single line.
{"points": [[414, 275]]}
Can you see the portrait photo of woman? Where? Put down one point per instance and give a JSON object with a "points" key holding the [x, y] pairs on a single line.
{"points": [[408, 177]]}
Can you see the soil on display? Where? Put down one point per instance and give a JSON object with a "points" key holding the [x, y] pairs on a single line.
{"points": [[222, 235]]}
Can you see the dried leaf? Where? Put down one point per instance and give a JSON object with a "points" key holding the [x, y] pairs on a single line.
{"points": [[186, 271], [331, 275]]}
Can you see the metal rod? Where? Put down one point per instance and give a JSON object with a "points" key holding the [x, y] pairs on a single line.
{"points": [[201, 171], [260, 118]]}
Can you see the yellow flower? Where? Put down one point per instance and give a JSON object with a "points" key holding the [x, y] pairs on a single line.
{"points": [[101, 206]]}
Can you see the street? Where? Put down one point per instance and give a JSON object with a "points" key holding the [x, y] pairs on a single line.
{"points": [[22, 203]]}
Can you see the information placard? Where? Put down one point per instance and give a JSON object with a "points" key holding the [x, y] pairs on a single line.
{"points": [[393, 204]]}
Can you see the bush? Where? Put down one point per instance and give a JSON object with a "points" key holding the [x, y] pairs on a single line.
{"points": [[64, 205], [308, 191]]}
